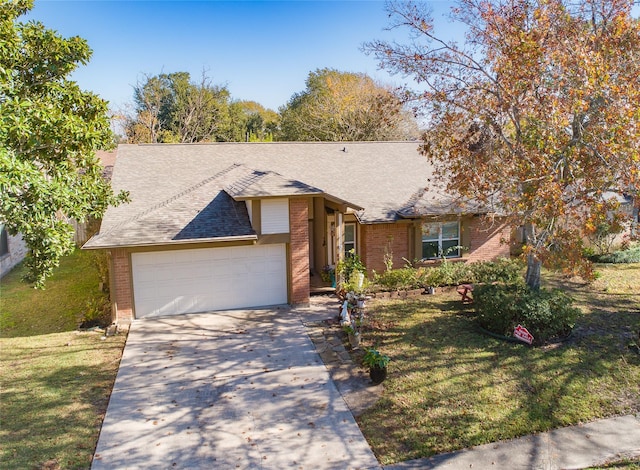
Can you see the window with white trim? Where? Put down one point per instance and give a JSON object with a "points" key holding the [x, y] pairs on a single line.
{"points": [[349, 238], [440, 238]]}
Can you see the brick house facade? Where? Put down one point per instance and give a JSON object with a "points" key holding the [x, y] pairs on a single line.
{"points": [[380, 239], [222, 226]]}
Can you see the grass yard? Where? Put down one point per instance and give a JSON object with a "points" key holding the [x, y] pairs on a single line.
{"points": [[55, 381], [25, 311], [625, 464], [451, 387]]}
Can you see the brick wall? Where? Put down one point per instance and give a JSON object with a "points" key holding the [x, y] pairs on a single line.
{"points": [[488, 241], [121, 286], [299, 250], [375, 238]]}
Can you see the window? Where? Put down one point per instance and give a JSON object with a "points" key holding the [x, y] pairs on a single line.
{"points": [[4, 241], [440, 238], [349, 238]]}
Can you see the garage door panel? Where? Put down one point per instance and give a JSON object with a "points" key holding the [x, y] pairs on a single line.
{"points": [[198, 280]]}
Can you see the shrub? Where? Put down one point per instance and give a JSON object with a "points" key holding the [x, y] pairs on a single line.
{"points": [[630, 255], [508, 271], [448, 274], [451, 274], [397, 279], [545, 313], [97, 312], [350, 264]]}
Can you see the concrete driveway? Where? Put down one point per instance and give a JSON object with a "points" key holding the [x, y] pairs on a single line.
{"points": [[235, 389]]}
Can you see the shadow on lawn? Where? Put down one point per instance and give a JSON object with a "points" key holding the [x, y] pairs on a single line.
{"points": [[65, 405], [452, 387]]}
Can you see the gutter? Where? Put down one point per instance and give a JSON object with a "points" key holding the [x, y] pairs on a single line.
{"points": [[190, 241]]}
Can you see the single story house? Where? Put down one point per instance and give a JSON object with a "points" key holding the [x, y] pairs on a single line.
{"points": [[230, 225]]}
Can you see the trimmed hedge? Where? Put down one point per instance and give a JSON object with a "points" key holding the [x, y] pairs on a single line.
{"points": [[509, 271], [450, 274], [399, 279], [547, 314]]}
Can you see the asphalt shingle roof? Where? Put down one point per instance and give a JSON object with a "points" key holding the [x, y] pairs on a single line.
{"points": [[260, 184], [184, 192], [200, 212]]}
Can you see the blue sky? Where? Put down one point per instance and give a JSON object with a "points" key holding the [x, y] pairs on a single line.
{"points": [[261, 50]]}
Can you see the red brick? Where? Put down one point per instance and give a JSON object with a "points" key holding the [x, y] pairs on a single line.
{"points": [[488, 240], [377, 238], [121, 290], [299, 250]]}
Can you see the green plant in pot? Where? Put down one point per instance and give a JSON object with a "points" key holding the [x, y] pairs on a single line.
{"points": [[377, 364], [353, 335], [327, 274]]}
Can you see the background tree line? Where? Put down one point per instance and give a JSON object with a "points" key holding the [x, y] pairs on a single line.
{"points": [[335, 106]]}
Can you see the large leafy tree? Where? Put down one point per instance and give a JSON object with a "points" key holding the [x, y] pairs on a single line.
{"points": [[173, 108], [344, 106], [49, 132], [260, 124], [250, 122], [537, 112]]}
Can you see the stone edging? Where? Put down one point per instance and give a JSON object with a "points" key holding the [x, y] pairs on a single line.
{"points": [[352, 382]]}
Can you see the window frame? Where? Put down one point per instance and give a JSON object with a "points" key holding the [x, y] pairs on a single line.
{"points": [[353, 244], [440, 239]]}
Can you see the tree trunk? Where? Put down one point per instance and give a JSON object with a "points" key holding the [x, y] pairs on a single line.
{"points": [[532, 277]]}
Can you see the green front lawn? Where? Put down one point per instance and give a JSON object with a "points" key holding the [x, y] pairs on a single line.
{"points": [[25, 311], [451, 387], [55, 381]]}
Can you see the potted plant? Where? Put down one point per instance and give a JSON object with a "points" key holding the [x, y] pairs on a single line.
{"points": [[377, 364], [327, 274], [353, 335]]}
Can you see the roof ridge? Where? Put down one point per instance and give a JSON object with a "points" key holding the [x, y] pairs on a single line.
{"points": [[246, 181], [277, 143], [173, 198]]}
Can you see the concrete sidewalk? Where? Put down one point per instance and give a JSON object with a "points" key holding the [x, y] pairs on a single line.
{"points": [[574, 447]]}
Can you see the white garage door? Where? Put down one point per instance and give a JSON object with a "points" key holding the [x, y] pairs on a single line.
{"points": [[200, 280]]}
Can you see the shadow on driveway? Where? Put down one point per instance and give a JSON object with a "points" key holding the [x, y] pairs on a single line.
{"points": [[235, 389]]}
